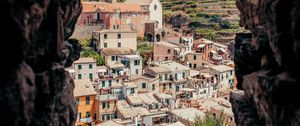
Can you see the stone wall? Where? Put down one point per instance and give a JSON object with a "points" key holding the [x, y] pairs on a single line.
{"points": [[34, 87], [267, 64], [85, 32]]}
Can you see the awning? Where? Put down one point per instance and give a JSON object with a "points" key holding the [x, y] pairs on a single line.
{"points": [[201, 46], [213, 51], [71, 70], [118, 65], [101, 70]]}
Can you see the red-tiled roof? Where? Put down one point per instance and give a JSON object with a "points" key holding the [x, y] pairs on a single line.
{"points": [[107, 7]]}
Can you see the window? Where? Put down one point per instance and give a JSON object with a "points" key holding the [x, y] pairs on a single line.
{"points": [[119, 36], [79, 76], [109, 82], [132, 91], [169, 51], [183, 75], [143, 85], [119, 44], [108, 105], [91, 76], [87, 100], [166, 76], [136, 62], [105, 45], [98, 16], [79, 114], [138, 124], [170, 85], [195, 65], [103, 83], [164, 87], [190, 65], [77, 101], [175, 76], [166, 58], [230, 72], [195, 57], [103, 117], [91, 66], [153, 87], [160, 77], [87, 114], [177, 88], [105, 36], [79, 67], [115, 103], [103, 105], [113, 58], [136, 71]]}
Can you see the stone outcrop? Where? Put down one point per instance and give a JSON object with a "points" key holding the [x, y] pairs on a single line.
{"points": [[267, 64], [35, 49]]}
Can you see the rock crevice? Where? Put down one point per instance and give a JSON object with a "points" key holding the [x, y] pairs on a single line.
{"points": [[267, 63], [34, 87]]}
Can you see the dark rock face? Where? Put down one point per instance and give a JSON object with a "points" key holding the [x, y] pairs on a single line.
{"points": [[34, 87], [267, 64]]}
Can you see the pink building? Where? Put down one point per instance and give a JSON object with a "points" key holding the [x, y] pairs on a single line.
{"points": [[114, 16], [164, 51]]}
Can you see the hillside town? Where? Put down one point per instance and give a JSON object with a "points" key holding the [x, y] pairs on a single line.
{"points": [[146, 73]]}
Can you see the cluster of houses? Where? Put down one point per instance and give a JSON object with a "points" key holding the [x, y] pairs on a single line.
{"points": [[183, 80]]}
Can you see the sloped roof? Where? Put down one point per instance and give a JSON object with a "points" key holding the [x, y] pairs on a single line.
{"points": [[108, 7], [85, 60], [117, 51], [84, 87], [110, 123], [140, 2]]}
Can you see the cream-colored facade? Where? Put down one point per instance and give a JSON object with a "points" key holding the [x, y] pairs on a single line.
{"points": [[115, 39], [85, 68]]}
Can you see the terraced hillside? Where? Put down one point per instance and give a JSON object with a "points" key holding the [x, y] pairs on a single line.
{"points": [[213, 19]]}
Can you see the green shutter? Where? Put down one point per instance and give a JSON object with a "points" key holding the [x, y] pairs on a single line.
{"points": [[143, 85], [103, 83], [153, 87], [79, 67], [91, 66], [91, 76], [79, 76]]}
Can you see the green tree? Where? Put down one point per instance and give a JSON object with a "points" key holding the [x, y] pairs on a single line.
{"points": [[89, 52], [210, 120], [225, 24]]}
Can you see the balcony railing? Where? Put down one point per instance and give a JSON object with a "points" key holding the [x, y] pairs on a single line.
{"points": [[86, 120]]}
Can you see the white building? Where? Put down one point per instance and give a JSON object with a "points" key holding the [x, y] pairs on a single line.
{"points": [[133, 63], [225, 75], [153, 6], [84, 68], [129, 88]]}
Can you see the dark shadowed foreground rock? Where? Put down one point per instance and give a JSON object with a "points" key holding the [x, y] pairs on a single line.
{"points": [[34, 87], [267, 64]]}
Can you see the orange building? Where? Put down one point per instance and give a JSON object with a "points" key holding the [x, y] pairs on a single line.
{"points": [[203, 46], [87, 104]]}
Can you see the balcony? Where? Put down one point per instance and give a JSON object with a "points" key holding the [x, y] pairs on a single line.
{"points": [[86, 120]]}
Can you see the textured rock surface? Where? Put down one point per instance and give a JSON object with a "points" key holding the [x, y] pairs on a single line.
{"points": [[267, 63], [34, 87]]}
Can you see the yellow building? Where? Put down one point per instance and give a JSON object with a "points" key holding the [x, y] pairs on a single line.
{"points": [[87, 105]]}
